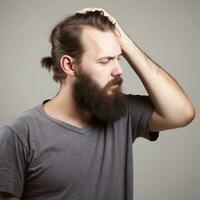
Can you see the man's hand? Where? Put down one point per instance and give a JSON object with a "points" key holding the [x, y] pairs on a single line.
{"points": [[120, 33]]}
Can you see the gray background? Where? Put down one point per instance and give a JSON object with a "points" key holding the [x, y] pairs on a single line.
{"points": [[168, 31]]}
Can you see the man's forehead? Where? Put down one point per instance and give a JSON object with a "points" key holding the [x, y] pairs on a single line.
{"points": [[100, 43]]}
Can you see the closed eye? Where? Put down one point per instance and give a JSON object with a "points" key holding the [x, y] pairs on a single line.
{"points": [[106, 61]]}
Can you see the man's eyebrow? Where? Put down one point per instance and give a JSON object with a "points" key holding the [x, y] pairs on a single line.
{"points": [[109, 57]]}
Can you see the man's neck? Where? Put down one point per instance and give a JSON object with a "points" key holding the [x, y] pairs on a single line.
{"points": [[63, 107]]}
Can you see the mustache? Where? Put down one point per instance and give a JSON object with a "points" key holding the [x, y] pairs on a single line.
{"points": [[116, 81]]}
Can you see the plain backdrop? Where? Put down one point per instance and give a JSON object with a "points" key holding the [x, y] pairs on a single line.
{"points": [[168, 31]]}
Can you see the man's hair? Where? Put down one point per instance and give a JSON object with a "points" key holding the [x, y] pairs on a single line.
{"points": [[65, 39]]}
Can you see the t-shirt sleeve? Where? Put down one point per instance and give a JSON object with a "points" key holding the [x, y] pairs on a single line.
{"points": [[12, 162], [140, 112]]}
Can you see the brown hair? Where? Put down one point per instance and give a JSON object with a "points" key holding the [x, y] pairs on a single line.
{"points": [[66, 39]]}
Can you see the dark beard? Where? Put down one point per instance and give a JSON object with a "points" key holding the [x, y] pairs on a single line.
{"points": [[89, 96]]}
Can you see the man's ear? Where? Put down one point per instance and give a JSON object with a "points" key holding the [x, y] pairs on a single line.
{"points": [[68, 65]]}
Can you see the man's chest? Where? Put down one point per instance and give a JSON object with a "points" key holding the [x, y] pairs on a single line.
{"points": [[76, 161]]}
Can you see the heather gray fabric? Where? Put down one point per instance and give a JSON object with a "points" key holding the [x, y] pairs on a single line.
{"points": [[44, 158]]}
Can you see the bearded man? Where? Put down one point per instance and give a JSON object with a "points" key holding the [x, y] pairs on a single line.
{"points": [[78, 144]]}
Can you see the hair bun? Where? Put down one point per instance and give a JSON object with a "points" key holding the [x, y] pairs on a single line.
{"points": [[47, 62]]}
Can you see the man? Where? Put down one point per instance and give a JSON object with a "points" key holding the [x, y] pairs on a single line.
{"points": [[78, 145]]}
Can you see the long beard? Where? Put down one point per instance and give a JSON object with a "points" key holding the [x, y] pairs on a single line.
{"points": [[107, 108]]}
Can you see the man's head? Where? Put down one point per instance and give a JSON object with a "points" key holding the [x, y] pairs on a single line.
{"points": [[88, 54], [66, 39]]}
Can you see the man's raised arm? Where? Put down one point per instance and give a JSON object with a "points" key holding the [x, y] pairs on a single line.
{"points": [[173, 108]]}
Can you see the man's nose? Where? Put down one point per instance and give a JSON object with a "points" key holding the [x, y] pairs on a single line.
{"points": [[117, 69]]}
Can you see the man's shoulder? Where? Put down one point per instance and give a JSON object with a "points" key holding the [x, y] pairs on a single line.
{"points": [[21, 118], [19, 124]]}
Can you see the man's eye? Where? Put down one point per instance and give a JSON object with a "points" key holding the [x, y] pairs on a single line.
{"points": [[104, 62]]}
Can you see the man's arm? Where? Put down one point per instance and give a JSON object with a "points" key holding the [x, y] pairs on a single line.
{"points": [[6, 196], [173, 108]]}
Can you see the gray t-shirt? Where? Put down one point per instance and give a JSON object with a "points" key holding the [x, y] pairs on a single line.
{"points": [[43, 158]]}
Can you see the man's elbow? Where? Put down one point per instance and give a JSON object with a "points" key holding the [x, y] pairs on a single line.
{"points": [[189, 117]]}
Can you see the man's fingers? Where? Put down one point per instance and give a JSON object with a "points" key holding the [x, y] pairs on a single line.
{"points": [[84, 10], [111, 18]]}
